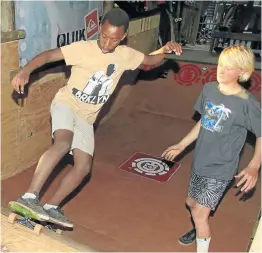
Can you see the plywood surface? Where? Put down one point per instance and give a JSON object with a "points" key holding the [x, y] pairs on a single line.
{"points": [[16, 238], [9, 150], [9, 56], [27, 130], [256, 245]]}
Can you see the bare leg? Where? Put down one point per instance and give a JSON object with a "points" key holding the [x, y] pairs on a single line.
{"points": [[48, 161], [189, 237], [200, 216], [191, 203], [82, 166]]}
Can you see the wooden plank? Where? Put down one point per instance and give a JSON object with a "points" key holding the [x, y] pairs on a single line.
{"points": [[7, 16], [155, 20], [143, 24], [134, 27], [9, 144], [31, 149], [16, 238], [190, 23], [34, 123], [7, 102], [256, 245], [41, 95], [26, 131], [12, 35], [145, 42], [9, 58]]}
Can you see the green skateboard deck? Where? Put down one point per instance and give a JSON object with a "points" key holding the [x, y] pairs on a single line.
{"points": [[26, 212], [30, 219]]}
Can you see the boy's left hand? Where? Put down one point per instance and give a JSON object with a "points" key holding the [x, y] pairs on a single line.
{"points": [[171, 47], [249, 178]]}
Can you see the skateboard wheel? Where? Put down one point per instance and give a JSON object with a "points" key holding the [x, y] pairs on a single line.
{"points": [[59, 231], [38, 229], [12, 217]]}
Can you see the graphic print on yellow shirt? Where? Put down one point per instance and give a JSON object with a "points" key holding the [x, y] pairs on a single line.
{"points": [[97, 89], [94, 76]]}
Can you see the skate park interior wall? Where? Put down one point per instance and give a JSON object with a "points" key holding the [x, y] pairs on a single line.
{"points": [[25, 122], [26, 129]]}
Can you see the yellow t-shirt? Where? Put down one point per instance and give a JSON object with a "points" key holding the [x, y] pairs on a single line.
{"points": [[94, 75]]}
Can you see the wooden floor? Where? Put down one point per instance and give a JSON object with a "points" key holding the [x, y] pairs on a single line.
{"points": [[17, 238], [256, 244]]}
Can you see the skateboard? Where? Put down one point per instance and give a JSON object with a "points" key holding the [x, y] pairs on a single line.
{"points": [[29, 219]]}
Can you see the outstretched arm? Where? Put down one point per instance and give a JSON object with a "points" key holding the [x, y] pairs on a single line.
{"points": [[249, 175], [256, 160], [173, 151], [157, 57], [22, 77]]}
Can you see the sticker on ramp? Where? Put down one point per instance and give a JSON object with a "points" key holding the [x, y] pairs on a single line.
{"points": [[150, 167]]}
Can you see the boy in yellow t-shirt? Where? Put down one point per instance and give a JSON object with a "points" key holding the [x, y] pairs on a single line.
{"points": [[97, 66]]}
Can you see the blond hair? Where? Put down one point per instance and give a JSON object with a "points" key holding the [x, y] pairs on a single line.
{"points": [[240, 57]]}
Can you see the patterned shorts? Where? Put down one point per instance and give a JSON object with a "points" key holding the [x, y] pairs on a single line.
{"points": [[206, 191]]}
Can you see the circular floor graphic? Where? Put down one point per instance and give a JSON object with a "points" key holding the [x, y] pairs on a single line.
{"points": [[150, 166]]}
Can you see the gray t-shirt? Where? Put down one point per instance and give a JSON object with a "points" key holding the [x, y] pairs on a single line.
{"points": [[224, 124]]}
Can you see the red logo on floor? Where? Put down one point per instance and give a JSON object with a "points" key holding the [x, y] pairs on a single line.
{"points": [[150, 167]]}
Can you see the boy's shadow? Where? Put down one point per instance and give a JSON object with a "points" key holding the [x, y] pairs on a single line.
{"points": [[66, 160], [50, 68], [159, 72], [131, 78]]}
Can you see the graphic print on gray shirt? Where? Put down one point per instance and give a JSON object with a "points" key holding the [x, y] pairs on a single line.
{"points": [[225, 120]]}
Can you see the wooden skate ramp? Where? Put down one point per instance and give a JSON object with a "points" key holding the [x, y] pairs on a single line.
{"points": [[116, 210], [119, 211]]}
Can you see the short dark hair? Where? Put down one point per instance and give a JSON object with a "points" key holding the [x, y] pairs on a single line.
{"points": [[117, 17]]}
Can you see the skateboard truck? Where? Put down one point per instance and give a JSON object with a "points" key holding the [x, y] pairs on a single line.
{"points": [[25, 222]]}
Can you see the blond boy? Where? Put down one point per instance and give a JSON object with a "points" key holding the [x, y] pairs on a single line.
{"points": [[227, 112]]}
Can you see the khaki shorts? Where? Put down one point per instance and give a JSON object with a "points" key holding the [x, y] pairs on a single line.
{"points": [[63, 117]]}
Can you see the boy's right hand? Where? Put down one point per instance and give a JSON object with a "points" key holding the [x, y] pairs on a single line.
{"points": [[173, 151], [20, 80]]}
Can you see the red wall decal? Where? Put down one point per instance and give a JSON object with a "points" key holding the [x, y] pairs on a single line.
{"points": [[188, 74], [196, 73], [255, 82], [210, 75]]}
